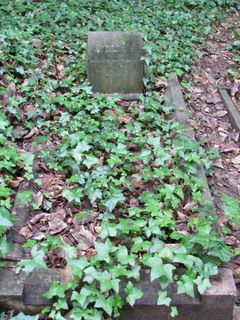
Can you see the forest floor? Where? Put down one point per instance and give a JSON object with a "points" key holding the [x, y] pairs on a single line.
{"points": [[219, 66]]}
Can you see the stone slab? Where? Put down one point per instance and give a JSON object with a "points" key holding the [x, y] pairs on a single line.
{"points": [[174, 97], [16, 253], [233, 113], [151, 289], [21, 293], [21, 213], [114, 62], [216, 304], [37, 284], [11, 289], [236, 313]]}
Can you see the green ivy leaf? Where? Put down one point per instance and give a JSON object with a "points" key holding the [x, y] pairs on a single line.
{"points": [[93, 195], [173, 311], [163, 299], [132, 293], [116, 197], [202, 284], [186, 285], [123, 256], [5, 247], [22, 316], [105, 304], [222, 252], [25, 196], [231, 209], [55, 290], [5, 219], [90, 161], [103, 250], [37, 261]]}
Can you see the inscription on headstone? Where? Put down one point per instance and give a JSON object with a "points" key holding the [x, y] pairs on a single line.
{"points": [[114, 62]]}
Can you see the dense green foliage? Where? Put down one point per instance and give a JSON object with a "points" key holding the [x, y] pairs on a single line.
{"points": [[107, 150]]}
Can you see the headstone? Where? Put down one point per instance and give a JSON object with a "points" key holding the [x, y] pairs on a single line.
{"points": [[114, 63]]}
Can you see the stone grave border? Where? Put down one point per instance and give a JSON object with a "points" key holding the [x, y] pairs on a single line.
{"points": [[21, 293], [233, 113]]}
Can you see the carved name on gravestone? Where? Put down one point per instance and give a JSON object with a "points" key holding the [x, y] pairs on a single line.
{"points": [[114, 62]]}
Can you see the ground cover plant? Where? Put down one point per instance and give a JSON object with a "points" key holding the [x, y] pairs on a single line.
{"points": [[117, 189]]}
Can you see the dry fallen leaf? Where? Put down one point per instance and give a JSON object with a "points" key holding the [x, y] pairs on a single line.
{"points": [[124, 118], [236, 160], [218, 163], [182, 216], [188, 206], [25, 232], [38, 199], [38, 236], [56, 225], [160, 83], [66, 274], [38, 217], [221, 113], [236, 87], [31, 133], [84, 237]]}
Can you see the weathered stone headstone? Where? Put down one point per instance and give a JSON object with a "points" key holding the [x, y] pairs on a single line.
{"points": [[114, 62]]}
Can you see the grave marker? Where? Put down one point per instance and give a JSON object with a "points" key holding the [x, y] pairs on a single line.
{"points": [[114, 63]]}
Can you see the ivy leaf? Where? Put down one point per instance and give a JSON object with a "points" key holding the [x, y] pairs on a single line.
{"points": [[159, 269], [123, 256], [74, 194], [80, 297], [134, 272], [108, 230], [186, 285], [116, 197], [61, 304], [37, 261], [163, 299], [145, 156], [222, 252], [90, 161], [105, 304], [5, 219], [108, 284], [25, 196], [22, 316], [103, 250], [5, 247], [173, 311], [93, 195], [202, 284], [4, 123], [132, 293], [210, 269], [55, 290], [231, 208], [79, 150]]}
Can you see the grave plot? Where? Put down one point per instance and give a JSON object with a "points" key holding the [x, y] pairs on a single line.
{"points": [[129, 219], [113, 216]]}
